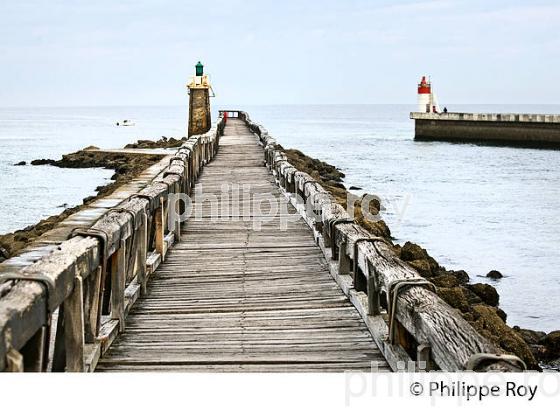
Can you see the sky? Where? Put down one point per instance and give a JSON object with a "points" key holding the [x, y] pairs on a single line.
{"points": [[84, 53]]}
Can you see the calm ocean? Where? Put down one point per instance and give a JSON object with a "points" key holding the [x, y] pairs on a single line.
{"points": [[473, 207]]}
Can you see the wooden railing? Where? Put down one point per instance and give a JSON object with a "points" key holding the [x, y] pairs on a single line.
{"points": [[413, 327], [63, 312]]}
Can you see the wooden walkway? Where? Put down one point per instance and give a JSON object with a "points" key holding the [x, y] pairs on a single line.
{"points": [[232, 298]]}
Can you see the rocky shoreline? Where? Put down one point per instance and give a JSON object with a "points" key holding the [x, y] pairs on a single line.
{"points": [[126, 166], [478, 303]]}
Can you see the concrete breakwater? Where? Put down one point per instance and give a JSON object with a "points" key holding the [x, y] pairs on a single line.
{"points": [[536, 130]]}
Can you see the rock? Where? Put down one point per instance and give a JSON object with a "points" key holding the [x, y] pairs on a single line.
{"points": [[487, 293], [355, 188], [88, 199], [461, 275], [43, 162], [455, 297], [472, 298], [531, 337], [490, 325], [91, 148], [445, 280], [21, 236], [502, 314], [335, 183], [4, 253], [422, 266], [373, 203], [552, 344], [377, 228], [410, 252], [18, 164], [494, 274], [434, 266], [554, 364]]}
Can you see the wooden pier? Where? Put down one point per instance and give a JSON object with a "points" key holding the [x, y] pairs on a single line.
{"points": [[231, 298], [234, 288]]}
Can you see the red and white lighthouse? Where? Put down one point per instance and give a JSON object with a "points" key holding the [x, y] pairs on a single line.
{"points": [[427, 101]]}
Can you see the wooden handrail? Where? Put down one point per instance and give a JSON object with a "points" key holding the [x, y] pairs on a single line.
{"points": [[375, 270], [97, 274]]}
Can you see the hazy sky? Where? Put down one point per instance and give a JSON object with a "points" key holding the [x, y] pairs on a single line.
{"points": [[99, 52]]}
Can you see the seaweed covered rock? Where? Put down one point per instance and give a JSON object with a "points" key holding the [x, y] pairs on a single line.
{"points": [[490, 325], [455, 297], [446, 280], [487, 293], [462, 276], [411, 251], [532, 337], [163, 142], [422, 266], [551, 342], [494, 274], [376, 228]]}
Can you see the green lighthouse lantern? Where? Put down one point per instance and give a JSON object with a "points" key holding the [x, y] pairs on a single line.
{"points": [[199, 69]]}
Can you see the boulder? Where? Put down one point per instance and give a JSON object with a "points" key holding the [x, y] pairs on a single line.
{"points": [[555, 364], [377, 228], [502, 314], [43, 162], [373, 203], [434, 266], [411, 251], [486, 292], [490, 325], [472, 298], [4, 253], [461, 275], [494, 274], [455, 297], [18, 164], [532, 337], [422, 266], [551, 342], [445, 280]]}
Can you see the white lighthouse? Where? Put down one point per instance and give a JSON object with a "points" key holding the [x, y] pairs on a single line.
{"points": [[427, 101]]}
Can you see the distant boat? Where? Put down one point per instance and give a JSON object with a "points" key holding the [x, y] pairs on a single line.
{"points": [[125, 123]]}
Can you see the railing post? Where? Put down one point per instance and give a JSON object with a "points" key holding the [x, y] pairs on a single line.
{"points": [[160, 229], [118, 282], [35, 352], [177, 220], [423, 352], [74, 328], [344, 262], [142, 254], [374, 302]]}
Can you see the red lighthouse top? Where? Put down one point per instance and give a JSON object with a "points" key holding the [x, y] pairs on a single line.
{"points": [[424, 87]]}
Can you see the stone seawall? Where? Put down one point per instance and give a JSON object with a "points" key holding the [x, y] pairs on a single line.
{"points": [[508, 129]]}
